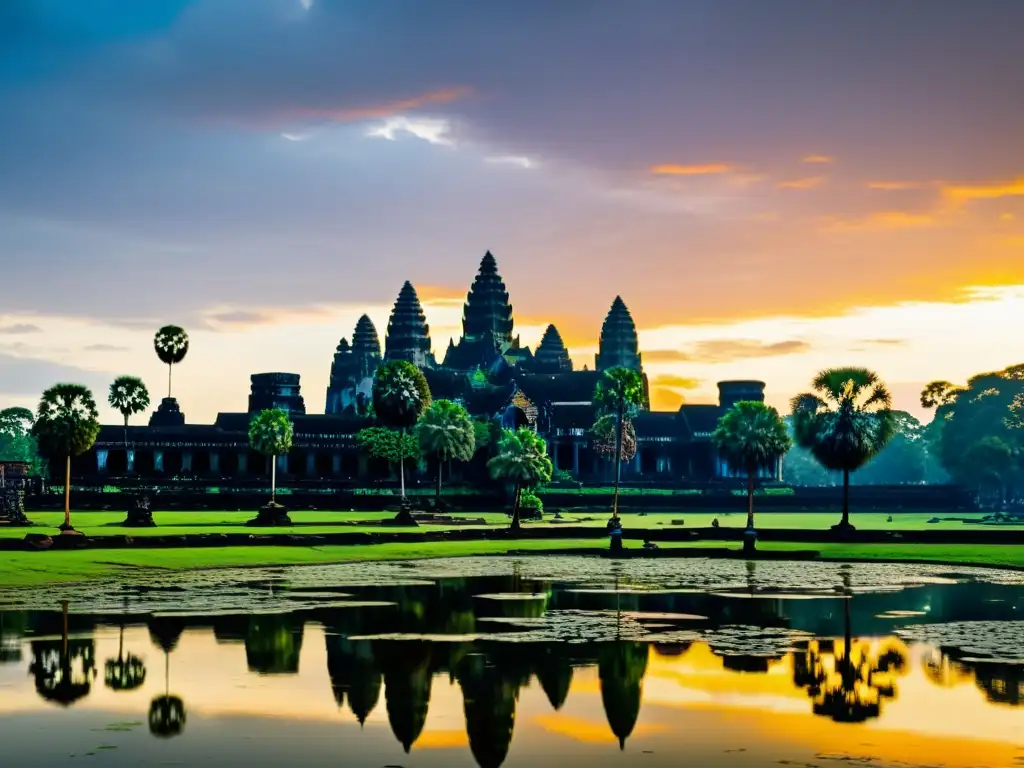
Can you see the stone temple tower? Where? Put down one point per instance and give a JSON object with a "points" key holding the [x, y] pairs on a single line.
{"points": [[353, 369], [487, 313], [551, 355], [408, 335], [618, 345]]}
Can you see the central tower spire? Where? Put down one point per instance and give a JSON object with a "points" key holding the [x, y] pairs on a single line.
{"points": [[487, 314]]}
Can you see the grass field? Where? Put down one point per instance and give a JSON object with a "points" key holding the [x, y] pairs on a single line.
{"points": [[37, 568], [179, 523]]}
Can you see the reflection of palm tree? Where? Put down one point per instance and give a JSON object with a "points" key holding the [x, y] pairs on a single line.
{"points": [[621, 667], [64, 669], [125, 673], [407, 679], [12, 630], [273, 644], [847, 682], [167, 713], [489, 699]]}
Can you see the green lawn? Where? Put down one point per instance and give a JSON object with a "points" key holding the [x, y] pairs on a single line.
{"points": [[37, 568], [179, 523]]}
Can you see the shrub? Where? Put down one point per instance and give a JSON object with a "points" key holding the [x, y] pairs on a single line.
{"points": [[531, 504]]}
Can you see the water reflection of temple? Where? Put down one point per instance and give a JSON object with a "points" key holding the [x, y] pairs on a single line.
{"points": [[373, 669]]}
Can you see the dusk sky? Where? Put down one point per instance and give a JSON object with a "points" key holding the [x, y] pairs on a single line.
{"points": [[772, 187]]}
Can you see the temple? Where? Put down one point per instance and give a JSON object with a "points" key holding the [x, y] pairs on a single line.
{"points": [[488, 370]]}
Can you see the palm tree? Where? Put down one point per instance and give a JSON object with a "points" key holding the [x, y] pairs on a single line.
{"points": [[400, 396], [171, 345], [128, 395], [446, 431], [67, 424], [619, 393], [522, 458], [751, 435], [844, 422], [270, 433]]}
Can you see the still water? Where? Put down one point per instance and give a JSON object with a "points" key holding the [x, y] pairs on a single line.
{"points": [[520, 662]]}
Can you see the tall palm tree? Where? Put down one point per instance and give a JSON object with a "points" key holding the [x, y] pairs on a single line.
{"points": [[400, 396], [128, 395], [446, 431], [171, 345], [619, 393], [522, 458], [844, 422], [67, 424], [751, 435], [270, 433]]}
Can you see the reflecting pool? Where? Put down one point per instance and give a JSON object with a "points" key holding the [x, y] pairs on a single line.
{"points": [[520, 662]]}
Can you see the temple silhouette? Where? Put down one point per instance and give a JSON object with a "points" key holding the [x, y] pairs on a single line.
{"points": [[488, 370]]}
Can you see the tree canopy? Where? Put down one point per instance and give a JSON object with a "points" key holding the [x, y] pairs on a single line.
{"points": [[387, 444], [620, 390], [845, 419], [400, 394], [751, 435], [445, 430], [271, 431], [67, 421], [16, 440], [128, 395], [171, 344], [522, 458]]}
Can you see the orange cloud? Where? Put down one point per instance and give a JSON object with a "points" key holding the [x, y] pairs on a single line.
{"points": [[882, 220], [895, 186], [386, 109], [823, 159], [1006, 216], [727, 350], [807, 183], [671, 381], [704, 169], [956, 193]]}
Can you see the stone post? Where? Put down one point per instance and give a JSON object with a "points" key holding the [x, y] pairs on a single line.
{"points": [[186, 461], [101, 460], [158, 461]]}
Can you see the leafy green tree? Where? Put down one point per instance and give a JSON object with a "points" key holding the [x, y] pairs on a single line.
{"points": [[171, 345], [751, 435], [400, 396], [387, 444], [844, 421], [619, 393], [446, 432], [980, 420], [128, 395], [66, 425], [481, 434], [522, 459], [16, 440], [270, 433]]}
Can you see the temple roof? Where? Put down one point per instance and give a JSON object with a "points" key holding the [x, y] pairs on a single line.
{"points": [[487, 313], [618, 345], [551, 355], [364, 337], [408, 335]]}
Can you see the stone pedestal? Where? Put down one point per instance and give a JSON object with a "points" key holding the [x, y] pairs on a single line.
{"points": [[271, 514], [404, 516], [12, 507], [140, 515]]}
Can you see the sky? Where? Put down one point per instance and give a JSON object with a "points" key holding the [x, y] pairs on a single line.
{"points": [[772, 188]]}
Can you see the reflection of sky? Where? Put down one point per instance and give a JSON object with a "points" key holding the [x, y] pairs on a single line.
{"points": [[691, 705], [230, 166]]}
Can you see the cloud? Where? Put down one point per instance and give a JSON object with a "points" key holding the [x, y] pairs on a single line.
{"points": [[28, 377], [885, 342], [385, 109], [296, 136], [702, 169], [882, 220], [518, 160], [245, 318], [817, 159], [432, 130], [671, 381], [1006, 216], [665, 356], [727, 350], [962, 193], [105, 348], [19, 329], [806, 183], [895, 186]]}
